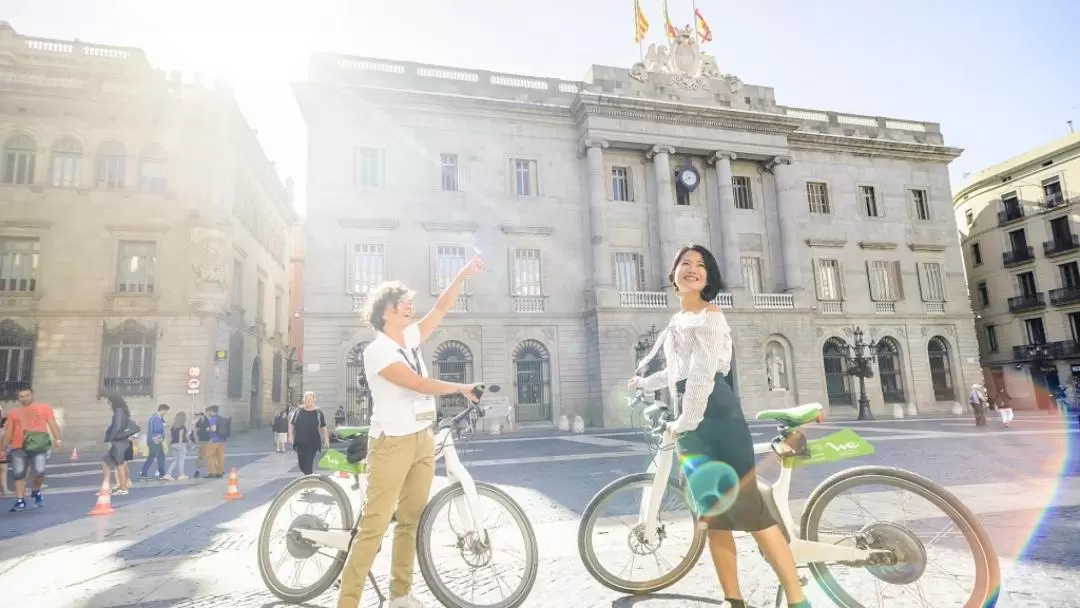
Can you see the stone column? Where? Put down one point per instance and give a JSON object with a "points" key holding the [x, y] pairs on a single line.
{"points": [[791, 206], [665, 205], [722, 226], [601, 251]]}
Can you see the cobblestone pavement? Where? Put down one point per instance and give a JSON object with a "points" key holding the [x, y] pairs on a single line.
{"points": [[188, 548]]}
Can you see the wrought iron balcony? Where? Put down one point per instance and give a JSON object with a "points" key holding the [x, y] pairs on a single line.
{"points": [[1010, 215], [1054, 200], [1065, 296], [1018, 256], [1047, 350], [1032, 301], [1061, 246]]}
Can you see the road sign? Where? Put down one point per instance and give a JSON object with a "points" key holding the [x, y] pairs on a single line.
{"points": [[193, 384], [193, 392], [193, 372]]}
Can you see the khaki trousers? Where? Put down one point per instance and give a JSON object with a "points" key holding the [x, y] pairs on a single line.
{"points": [[400, 472], [215, 458]]}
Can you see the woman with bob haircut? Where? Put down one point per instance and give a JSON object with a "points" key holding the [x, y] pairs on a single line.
{"points": [[715, 446]]}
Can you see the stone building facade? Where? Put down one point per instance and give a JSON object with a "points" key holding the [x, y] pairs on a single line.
{"points": [[142, 233], [1018, 228], [822, 221]]}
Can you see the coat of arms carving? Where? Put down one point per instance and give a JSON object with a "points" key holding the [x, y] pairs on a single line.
{"points": [[208, 257], [690, 68]]}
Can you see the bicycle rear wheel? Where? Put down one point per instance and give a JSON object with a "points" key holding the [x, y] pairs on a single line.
{"points": [[903, 578], [621, 533], [327, 508], [462, 556]]}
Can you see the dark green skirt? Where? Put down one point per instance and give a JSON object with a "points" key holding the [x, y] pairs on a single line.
{"points": [[717, 463]]}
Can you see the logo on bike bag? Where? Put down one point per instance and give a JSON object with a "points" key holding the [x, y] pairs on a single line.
{"points": [[841, 445]]}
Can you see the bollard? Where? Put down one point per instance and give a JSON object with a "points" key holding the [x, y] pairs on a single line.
{"points": [[564, 423], [898, 410], [912, 410], [579, 424], [957, 409]]}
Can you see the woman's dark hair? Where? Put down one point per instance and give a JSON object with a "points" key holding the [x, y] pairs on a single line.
{"points": [[714, 282], [117, 402], [379, 298]]}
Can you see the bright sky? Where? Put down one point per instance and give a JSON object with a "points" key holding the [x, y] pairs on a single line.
{"points": [[1000, 76]]}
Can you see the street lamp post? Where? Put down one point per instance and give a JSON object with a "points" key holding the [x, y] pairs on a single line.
{"points": [[860, 367]]}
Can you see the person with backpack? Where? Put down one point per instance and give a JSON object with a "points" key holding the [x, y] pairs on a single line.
{"points": [[307, 433], [155, 443], [180, 437], [118, 436], [280, 428], [220, 428], [31, 431], [202, 439]]}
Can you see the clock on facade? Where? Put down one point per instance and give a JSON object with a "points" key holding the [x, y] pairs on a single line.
{"points": [[688, 179]]}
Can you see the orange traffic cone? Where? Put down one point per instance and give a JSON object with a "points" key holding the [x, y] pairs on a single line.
{"points": [[104, 501], [74, 454], [233, 491]]}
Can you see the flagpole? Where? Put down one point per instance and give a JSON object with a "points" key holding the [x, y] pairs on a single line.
{"points": [[693, 20]]}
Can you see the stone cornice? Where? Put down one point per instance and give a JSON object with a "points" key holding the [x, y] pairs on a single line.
{"points": [[379, 223], [525, 230], [834, 243], [872, 147], [149, 227], [877, 246], [932, 247], [654, 110], [27, 224], [450, 226]]}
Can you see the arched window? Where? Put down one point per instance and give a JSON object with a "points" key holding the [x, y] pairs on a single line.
{"points": [[152, 165], [453, 363], [19, 153], [890, 371], [357, 394], [940, 369], [66, 170], [236, 365], [16, 359], [129, 359], [837, 382], [111, 159], [532, 375]]}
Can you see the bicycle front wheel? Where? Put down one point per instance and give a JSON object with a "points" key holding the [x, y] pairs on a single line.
{"points": [[935, 554], [313, 502], [673, 548], [454, 558]]}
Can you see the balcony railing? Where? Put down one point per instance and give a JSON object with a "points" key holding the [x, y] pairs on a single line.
{"points": [[1053, 200], [1065, 296], [885, 308], [724, 300], [832, 307], [934, 308], [130, 386], [1033, 301], [1047, 350], [1018, 256], [774, 301], [461, 304], [529, 304], [1060, 246], [1009, 216], [643, 299]]}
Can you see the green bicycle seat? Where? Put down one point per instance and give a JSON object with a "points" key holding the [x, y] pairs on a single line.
{"points": [[334, 460], [793, 416], [348, 432]]}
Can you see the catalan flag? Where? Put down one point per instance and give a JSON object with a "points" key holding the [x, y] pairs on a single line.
{"points": [[668, 27], [641, 23], [703, 30]]}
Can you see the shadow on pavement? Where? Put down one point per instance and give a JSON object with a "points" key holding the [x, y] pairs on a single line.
{"points": [[627, 601]]}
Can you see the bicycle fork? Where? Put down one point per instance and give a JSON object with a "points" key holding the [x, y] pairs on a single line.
{"points": [[651, 497]]}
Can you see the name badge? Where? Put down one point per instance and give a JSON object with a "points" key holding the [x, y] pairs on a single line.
{"points": [[424, 409]]}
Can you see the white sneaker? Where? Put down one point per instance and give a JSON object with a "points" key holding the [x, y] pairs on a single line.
{"points": [[407, 601]]}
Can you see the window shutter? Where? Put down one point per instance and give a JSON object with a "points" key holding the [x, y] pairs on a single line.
{"points": [[349, 267], [434, 270], [543, 272], [875, 294], [387, 266], [511, 271], [818, 283], [944, 283], [898, 279], [924, 281], [640, 259], [842, 279]]}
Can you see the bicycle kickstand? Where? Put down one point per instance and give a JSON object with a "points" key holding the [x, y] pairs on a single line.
{"points": [[375, 586]]}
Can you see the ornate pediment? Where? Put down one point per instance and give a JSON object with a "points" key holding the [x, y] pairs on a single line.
{"points": [[684, 64]]}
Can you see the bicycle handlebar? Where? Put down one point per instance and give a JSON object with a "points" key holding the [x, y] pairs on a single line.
{"points": [[478, 391]]}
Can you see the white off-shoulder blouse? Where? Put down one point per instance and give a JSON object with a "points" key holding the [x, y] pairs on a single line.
{"points": [[697, 346]]}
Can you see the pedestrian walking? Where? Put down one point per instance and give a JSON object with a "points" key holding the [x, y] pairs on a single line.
{"points": [[698, 354], [219, 427], [180, 437], [1004, 406], [977, 401], [155, 443], [307, 433], [280, 428], [31, 431], [202, 439], [401, 454], [118, 437]]}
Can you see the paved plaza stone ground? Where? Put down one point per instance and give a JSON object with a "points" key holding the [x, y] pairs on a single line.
{"points": [[181, 545]]}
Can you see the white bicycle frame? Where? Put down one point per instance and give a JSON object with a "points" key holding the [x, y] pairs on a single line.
{"points": [[826, 549], [467, 515]]}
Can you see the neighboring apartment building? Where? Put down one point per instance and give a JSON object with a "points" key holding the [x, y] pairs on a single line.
{"points": [[1018, 228], [296, 314], [142, 233], [579, 194]]}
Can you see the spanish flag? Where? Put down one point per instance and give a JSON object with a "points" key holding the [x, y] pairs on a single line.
{"points": [[703, 30], [667, 23], [641, 23]]}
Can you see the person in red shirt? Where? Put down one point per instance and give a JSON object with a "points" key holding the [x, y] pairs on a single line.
{"points": [[31, 431]]}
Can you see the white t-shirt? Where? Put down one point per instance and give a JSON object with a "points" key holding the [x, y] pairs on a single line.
{"points": [[394, 410]]}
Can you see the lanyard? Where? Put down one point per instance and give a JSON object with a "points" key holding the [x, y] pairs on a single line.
{"points": [[413, 366]]}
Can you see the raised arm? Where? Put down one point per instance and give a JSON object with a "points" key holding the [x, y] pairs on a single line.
{"points": [[447, 298], [711, 355]]}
